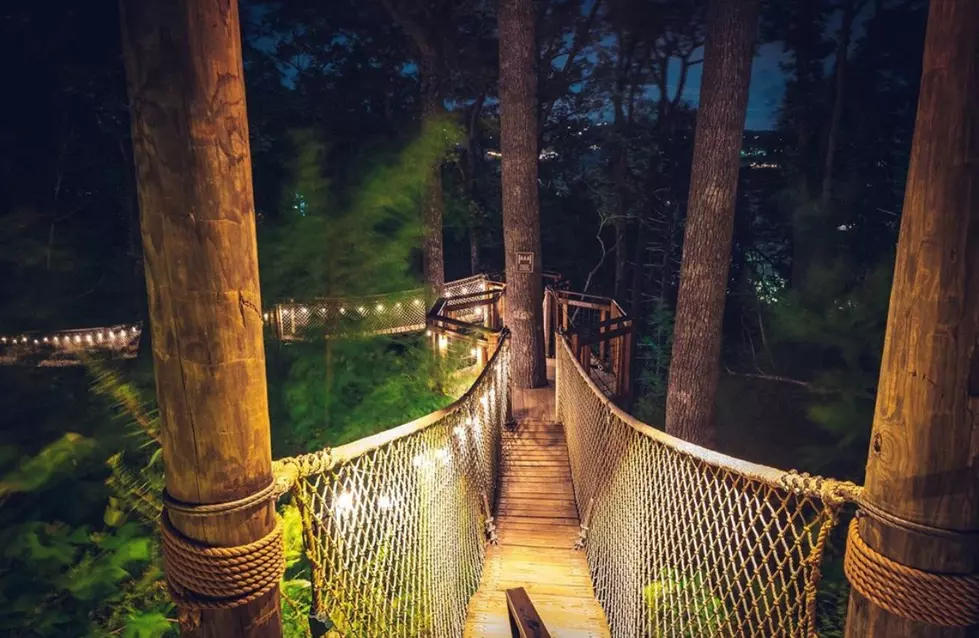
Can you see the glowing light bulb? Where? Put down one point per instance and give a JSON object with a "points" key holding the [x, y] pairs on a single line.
{"points": [[3, 339], [24, 340], [360, 309], [35, 342], [57, 339], [397, 305], [100, 336], [45, 339], [88, 338], [416, 302], [460, 432], [344, 504], [428, 333], [134, 330], [380, 307], [484, 401], [265, 317], [78, 339], [474, 352], [384, 502], [343, 311]]}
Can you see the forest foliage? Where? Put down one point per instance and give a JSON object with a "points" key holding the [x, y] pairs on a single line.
{"points": [[340, 158]]}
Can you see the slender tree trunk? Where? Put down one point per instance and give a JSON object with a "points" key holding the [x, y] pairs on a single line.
{"points": [[432, 204], [521, 213], [695, 366], [923, 463], [193, 169], [620, 166], [469, 180], [842, 46], [619, 223]]}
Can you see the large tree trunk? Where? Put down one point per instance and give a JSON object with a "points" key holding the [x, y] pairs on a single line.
{"points": [[842, 46], [193, 168], [695, 365], [521, 213], [432, 205], [923, 463]]}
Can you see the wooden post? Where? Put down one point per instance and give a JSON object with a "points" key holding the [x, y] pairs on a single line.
{"points": [[547, 323], [193, 169], [923, 463], [602, 316]]}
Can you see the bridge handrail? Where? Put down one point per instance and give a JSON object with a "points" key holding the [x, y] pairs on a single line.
{"points": [[683, 540], [393, 523]]}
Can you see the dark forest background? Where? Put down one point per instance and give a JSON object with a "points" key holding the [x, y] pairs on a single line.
{"points": [[334, 103]]}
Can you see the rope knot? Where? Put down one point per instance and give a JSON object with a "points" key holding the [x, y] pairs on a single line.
{"points": [[202, 577], [945, 600]]}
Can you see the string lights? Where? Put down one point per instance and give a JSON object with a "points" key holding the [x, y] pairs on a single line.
{"points": [[111, 338]]}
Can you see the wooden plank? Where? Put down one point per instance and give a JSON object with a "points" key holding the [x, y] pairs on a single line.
{"points": [[537, 526], [525, 622]]}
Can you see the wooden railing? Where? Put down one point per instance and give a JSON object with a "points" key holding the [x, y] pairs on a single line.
{"points": [[475, 318], [601, 335], [525, 622]]}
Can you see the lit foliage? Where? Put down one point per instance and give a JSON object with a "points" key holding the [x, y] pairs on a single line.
{"points": [[331, 243]]}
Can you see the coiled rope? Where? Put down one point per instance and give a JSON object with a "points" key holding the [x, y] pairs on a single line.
{"points": [[201, 577], [945, 600]]}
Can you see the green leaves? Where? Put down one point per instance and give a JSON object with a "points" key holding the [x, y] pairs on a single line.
{"points": [[56, 460], [147, 625]]}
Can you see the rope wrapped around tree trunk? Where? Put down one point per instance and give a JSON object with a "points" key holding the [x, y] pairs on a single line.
{"points": [[945, 600], [201, 577]]}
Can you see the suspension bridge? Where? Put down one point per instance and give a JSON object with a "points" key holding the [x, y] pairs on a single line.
{"points": [[544, 512]]}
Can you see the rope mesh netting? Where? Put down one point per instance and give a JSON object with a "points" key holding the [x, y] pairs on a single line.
{"points": [[684, 541], [70, 347], [390, 313], [393, 524]]}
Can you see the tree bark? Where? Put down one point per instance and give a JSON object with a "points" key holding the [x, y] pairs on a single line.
{"points": [[521, 213], [695, 365], [923, 462], [193, 169], [469, 177], [842, 46], [432, 204]]}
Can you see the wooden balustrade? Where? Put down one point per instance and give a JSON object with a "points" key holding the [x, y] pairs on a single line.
{"points": [[600, 334]]}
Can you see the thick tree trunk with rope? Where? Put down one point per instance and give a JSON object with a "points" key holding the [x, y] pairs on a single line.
{"points": [[193, 168], [521, 213], [695, 365], [923, 463], [432, 204]]}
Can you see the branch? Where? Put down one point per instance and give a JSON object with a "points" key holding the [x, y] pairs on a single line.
{"points": [[779, 379], [581, 31], [411, 27]]}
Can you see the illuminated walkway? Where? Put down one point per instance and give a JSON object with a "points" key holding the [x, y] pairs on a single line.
{"points": [[537, 524]]}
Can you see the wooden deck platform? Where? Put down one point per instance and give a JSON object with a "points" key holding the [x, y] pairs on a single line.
{"points": [[537, 523]]}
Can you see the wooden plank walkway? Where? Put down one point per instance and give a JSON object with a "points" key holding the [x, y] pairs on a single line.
{"points": [[537, 523]]}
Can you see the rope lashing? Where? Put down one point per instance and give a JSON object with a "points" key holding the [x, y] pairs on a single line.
{"points": [[201, 577], [944, 600]]}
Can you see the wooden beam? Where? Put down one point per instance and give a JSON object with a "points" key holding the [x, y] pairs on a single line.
{"points": [[525, 622], [193, 170], [923, 463]]}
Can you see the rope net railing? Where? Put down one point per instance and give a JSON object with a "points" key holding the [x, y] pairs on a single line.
{"points": [[394, 523], [70, 347], [391, 313], [686, 542]]}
